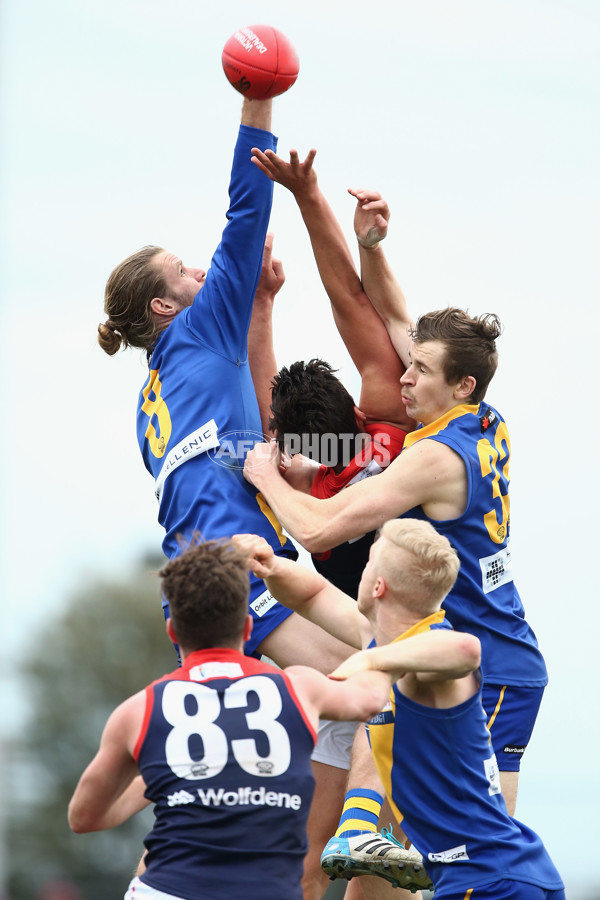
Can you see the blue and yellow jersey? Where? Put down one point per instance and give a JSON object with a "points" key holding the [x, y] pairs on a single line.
{"points": [[441, 777], [485, 600], [197, 413]]}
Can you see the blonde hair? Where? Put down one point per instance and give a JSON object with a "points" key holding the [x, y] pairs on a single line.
{"points": [[422, 582], [130, 289]]}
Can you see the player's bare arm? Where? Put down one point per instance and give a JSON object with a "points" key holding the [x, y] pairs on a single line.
{"points": [[257, 113], [434, 655], [261, 354], [363, 696], [428, 474], [361, 329], [299, 471], [304, 591], [111, 789], [379, 282]]}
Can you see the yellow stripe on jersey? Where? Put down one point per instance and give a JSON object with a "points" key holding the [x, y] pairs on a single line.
{"points": [[382, 736], [268, 512], [497, 710], [468, 894], [382, 741], [435, 427]]}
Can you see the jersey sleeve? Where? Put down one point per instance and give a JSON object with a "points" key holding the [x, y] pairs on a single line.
{"points": [[221, 312]]}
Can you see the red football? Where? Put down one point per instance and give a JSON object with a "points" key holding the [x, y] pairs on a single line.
{"points": [[260, 62]]}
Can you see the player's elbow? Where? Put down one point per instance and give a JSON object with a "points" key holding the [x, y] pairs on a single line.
{"points": [[78, 824], [314, 544], [79, 821], [318, 536], [470, 652]]}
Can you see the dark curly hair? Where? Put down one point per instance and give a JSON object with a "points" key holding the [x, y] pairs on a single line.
{"points": [[470, 344], [308, 399], [207, 588]]}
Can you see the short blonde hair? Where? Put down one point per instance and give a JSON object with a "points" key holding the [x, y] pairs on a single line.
{"points": [[432, 567]]}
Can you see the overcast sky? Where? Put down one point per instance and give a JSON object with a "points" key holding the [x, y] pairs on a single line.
{"points": [[477, 120]]}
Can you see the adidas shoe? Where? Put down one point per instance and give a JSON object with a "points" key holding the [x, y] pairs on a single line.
{"points": [[375, 854]]}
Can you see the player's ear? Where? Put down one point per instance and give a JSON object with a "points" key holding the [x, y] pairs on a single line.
{"points": [[360, 417], [380, 587], [465, 388], [248, 628], [170, 631], [163, 306]]}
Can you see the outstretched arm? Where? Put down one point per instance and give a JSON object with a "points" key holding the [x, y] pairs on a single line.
{"points": [[362, 697], [359, 326], [379, 282], [438, 655], [304, 591], [257, 113], [222, 310], [261, 354], [428, 474]]}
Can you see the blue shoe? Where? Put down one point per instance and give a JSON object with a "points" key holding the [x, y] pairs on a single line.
{"points": [[371, 853]]}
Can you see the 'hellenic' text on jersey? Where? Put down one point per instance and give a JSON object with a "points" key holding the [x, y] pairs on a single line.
{"points": [[197, 413]]}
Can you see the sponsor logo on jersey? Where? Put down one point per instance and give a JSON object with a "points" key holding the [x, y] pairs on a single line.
{"points": [[496, 570], [449, 856], [263, 603], [384, 717], [488, 419], [516, 751], [493, 775], [180, 798], [247, 796], [216, 670]]}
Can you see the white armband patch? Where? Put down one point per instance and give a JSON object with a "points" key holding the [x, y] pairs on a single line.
{"points": [[199, 441]]}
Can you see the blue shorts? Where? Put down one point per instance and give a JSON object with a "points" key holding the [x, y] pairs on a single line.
{"points": [[505, 890], [267, 613], [511, 713]]}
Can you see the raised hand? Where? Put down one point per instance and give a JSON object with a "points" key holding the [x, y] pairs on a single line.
{"points": [[272, 276], [370, 218], [298, 177]]}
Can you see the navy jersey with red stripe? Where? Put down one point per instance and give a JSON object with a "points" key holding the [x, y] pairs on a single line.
{"points": [[343, 565], [484, 600], [225, 753]]}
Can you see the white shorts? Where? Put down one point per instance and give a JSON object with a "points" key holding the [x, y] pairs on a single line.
{"points": [[137, 890], [334, 743]]}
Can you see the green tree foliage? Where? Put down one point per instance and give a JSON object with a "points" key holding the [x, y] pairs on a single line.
{"points": [[109, 643]]}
